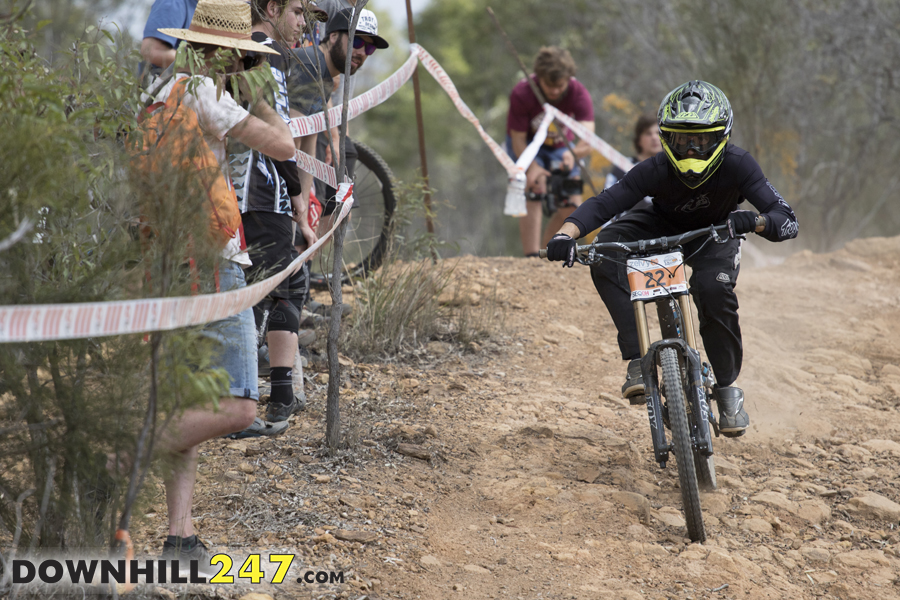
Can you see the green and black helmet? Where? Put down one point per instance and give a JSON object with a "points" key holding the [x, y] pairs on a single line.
{"points": [[695, 117]]}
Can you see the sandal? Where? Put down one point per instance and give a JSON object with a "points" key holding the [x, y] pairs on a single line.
{"points": [[260, 428]]}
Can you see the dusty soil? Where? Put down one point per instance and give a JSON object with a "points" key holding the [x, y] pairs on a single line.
{"points": [[540, 481]]}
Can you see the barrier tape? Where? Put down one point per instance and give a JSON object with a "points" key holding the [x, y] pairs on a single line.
{"points": [[531, 151], [302, 126], [46, 322], [595, 141], [319, 170], [446, 83]]}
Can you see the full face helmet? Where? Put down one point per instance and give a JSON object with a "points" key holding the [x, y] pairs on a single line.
{"points": [[695, 122]]}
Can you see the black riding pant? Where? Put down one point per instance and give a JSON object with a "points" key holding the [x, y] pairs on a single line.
{"points": [[715, 268]]}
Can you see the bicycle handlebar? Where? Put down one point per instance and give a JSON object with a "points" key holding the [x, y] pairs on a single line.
{"points": [[661, 243]]}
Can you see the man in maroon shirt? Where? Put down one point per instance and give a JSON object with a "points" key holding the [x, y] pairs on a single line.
{"points": [[554, 71]]}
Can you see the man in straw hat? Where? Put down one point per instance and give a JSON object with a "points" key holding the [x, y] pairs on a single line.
{"points": [[220, 27], [274, 199]]}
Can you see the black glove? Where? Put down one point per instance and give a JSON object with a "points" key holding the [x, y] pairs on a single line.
{"points": [[562, 247], [741, 222]]}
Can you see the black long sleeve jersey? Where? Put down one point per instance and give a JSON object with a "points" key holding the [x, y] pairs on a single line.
{"points": [[738, 178]]}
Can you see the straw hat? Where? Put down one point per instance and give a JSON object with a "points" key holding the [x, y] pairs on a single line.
{"points": [[220, 23]]}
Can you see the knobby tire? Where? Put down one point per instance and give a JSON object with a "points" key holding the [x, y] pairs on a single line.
{"points": [[681, 440]]}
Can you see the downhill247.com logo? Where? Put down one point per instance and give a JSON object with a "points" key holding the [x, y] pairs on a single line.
{"points": [[218, 571]]}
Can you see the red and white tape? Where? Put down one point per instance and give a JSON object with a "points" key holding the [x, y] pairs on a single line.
{"points": [[319, 170], [46, 322], [440, 75], [302, 126], [534, 147], [595, 141]]}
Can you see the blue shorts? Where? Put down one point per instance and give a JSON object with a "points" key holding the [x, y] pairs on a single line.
{"points": [[547, 157], [236, 338]]}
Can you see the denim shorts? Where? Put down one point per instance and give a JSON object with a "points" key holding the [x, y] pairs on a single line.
{"points": [[236, 338], [547, 157]]}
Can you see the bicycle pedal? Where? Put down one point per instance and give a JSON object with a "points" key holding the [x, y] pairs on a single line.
{"points": [[637, 400], [715, 424]]}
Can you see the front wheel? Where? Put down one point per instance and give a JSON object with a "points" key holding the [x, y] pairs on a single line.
{"points": [[681, 440]]}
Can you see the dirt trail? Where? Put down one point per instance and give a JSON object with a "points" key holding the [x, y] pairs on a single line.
{"points": [[541, 482]]}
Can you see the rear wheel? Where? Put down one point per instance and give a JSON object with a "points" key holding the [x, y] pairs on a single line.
{"points": [[368, 229], [681, 440]]}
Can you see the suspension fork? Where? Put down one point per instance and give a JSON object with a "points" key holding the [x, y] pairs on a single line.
{"points": [[696, 396], [649, 362]]}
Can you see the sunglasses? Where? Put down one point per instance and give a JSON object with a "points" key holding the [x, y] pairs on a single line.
{"points": [[253, 60], [359, 43]]}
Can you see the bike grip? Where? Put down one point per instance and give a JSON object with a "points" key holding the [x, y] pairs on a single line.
{"points": [[542, 253], [760, 223]]}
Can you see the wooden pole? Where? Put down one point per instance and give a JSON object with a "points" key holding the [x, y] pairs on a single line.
{"points": [[429, 224], [332, 347]]}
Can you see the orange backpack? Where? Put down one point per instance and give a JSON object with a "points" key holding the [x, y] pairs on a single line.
{"points": [[172, 138]]}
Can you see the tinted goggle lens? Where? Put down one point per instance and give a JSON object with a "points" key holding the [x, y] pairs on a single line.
{"points": [[359, 43], [700, 142]]}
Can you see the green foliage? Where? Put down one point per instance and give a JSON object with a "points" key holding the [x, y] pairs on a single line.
{"points": [[64, 406], [412, 298]]}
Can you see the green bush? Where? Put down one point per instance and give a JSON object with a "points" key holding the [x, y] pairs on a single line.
{"points": [[413, 299], [66, 405]]}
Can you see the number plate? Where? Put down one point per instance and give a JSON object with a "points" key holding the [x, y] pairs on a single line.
{"points": [[658, 275]]}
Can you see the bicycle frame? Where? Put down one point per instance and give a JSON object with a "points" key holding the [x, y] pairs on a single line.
{"points": [[656, 273], [676, 322]]}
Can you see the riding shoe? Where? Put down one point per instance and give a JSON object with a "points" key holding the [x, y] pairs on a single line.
{"points": [[324, 310], [278, 412], [733, 419], [633, 389]]}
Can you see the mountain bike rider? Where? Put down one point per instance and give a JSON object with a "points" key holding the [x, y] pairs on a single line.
{"points": [[697, 180]]}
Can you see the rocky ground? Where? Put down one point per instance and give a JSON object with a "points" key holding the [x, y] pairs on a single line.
{"points": [[512, 469]]}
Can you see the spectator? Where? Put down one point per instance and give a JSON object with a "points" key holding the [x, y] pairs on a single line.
{"points": [[554, 74], [158, 49], [647, 145], [273, 198], [332, 7], [218, 24], [307, 95]]}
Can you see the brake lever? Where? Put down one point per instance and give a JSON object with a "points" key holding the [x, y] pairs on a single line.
{"points": [[592, 258], [714, 234]]}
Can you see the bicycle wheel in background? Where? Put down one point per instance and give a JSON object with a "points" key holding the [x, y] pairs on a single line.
{"points": [[681, 440], [367, 232]]}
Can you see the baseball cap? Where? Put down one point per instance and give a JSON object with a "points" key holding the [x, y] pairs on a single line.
{"points": [[368, 25]]}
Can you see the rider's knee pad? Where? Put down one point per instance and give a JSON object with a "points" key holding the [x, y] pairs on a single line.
{"points": [[284, 317]]}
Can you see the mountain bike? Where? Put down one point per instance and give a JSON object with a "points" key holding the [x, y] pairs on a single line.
{"points": [[368, 228], [655, 270]]}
